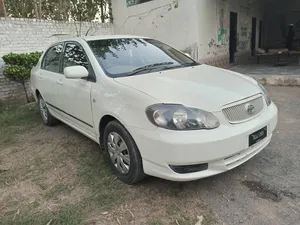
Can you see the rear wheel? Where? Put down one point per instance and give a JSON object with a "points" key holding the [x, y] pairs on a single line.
{"points": [[124, 156], [47, 118]]}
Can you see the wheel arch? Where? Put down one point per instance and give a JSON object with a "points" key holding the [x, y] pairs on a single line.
{"points": [[102, 124], [37, 93]]}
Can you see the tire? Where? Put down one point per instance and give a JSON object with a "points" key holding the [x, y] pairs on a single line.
{"points": [[118, 155], [47, 118]]}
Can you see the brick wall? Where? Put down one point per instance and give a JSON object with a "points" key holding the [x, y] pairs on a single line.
{"points": [[27, 35], [12, 92]]}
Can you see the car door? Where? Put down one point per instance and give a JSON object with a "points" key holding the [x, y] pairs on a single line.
{"points": [[48, 76], [75, 94]]}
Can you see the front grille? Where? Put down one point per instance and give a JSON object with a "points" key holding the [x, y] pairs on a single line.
{"points": [[238, 113]]}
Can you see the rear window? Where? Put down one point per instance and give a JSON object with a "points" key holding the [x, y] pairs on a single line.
{"points": [[51, 60]]}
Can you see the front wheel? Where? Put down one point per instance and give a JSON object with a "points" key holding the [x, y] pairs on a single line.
{"points": [[47, 118], [124, 156]]}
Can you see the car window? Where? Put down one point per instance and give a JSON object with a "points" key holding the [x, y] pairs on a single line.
{"points": [[74, 55], [122, 57], [52, 58]]}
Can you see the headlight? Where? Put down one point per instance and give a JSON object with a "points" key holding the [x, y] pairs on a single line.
{"points": [[266, 95], [178, 117]]}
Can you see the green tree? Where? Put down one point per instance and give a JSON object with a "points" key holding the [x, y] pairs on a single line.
{"points": [[20, 8], [77, 10], [18, 67], [56, 9]]}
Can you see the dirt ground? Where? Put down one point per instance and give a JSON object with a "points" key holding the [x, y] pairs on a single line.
{"points": [[57, 176]]}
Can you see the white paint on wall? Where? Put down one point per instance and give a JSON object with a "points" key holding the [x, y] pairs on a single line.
{"points": [[160, 19], [194, 26]]}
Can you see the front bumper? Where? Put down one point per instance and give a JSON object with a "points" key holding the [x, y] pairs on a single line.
{"points": [[223, 148]]}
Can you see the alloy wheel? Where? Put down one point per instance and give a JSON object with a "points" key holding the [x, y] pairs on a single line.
{"points": [[43, 109], [118, 152]]}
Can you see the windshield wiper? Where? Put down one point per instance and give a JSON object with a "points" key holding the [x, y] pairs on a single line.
{"points": [[181, 66], [186, 65], [148, 67]]}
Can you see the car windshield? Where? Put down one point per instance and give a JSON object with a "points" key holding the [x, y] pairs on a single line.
{"points": [[135, 56]]}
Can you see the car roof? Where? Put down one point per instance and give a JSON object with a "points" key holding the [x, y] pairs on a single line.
{"points": [[98, 37], [101, 37]]}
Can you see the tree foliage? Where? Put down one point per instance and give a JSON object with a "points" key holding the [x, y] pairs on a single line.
{"points": [[20, 8], [78, 10], [18, 67], [28, 60]]}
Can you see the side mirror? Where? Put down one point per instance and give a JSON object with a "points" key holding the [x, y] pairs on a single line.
{"points": [[75, 72]]}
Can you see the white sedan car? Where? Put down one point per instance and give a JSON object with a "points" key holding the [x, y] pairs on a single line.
{"points": [[153, 109]]}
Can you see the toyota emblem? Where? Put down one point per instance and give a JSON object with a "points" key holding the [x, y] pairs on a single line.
{"points": [[250, 109]]}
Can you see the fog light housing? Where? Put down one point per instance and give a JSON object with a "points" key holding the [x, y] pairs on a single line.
{"points": [[189, 168]]}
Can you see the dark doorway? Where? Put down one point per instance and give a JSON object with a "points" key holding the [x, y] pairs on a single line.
{"points": [[253, 37], [233, 36], [260, 34]]}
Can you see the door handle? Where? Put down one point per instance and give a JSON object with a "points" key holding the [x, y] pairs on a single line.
{"points": [[40, 76], [59, 82]]}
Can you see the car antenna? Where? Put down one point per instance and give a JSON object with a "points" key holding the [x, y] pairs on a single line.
{"points": [[86, 34], [58, 35]]}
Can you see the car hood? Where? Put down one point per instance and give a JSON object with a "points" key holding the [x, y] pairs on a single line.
{"points": [[205, 87]]}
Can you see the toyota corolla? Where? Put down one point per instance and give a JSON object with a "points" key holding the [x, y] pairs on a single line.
{"points": [[153, 109]]}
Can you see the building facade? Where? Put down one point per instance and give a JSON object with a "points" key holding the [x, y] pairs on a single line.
{"points": [[198, 27]]}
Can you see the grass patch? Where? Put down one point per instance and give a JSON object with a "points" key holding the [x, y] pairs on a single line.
{"points": [[184, 220], [156, 222], [55, 191], [31, 170], [68, 215], [92, 174], [18, 115], [105, 192], [60, 176], [174, 213], [172, 209], [15, 120]]}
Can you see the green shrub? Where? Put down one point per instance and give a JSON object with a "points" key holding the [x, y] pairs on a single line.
{"points": [[18, 67], [28, 60], [17, 73]]}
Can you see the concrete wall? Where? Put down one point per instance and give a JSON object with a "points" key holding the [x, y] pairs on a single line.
{"points": [[278, 15], [215, 28], [160, 19], [27, 35], [200, 27], [246, 12]]}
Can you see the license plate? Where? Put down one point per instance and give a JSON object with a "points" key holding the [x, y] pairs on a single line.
{"points": [[258, 136]]}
